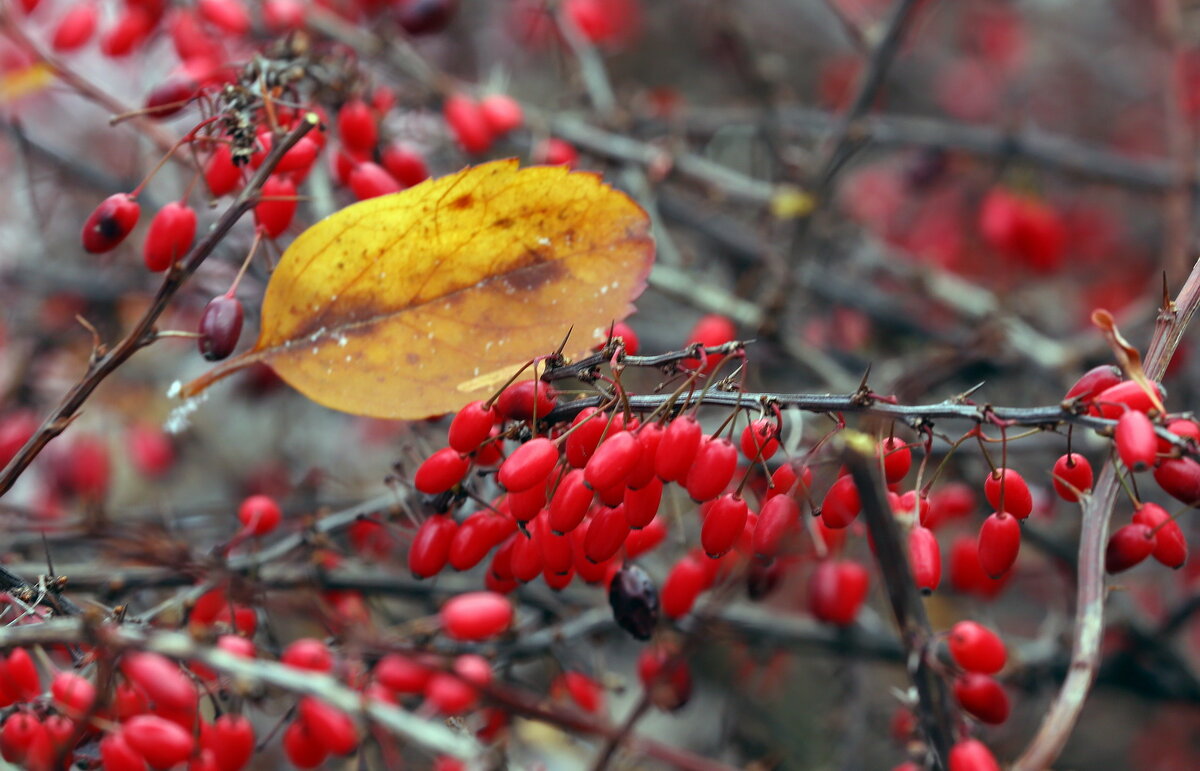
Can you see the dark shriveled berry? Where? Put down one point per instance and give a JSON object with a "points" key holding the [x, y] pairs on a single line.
{"points": [[220, 327], [634, 600]]}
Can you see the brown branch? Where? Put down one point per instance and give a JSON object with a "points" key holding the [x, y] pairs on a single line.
{"points": [[142, 333], [1060, 720], [936, 710]]}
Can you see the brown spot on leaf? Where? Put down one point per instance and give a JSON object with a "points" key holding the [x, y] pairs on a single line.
{"points": [[462, 202]]}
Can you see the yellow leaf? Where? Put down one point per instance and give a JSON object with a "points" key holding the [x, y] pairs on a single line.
{"points": [[412, 304]]}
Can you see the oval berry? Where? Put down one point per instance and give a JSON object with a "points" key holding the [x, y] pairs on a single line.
{"points": [[1127, 547], [999, 543], [1072, 476], [220, 173], [161, 680], [1093, 382], [897, 459], [370, 180], [641, 504], [441, 471], [526, 399], [1137, 444], [431, 545], [76, 27], [471, 426], [1170, 546], [476, 616], [110, 222], [925, 558], [778, 519], [613, 461], [162, 742], [308, 654], [976, 648], [724, 524], [276, 206], [972, 755], [836, 591], [712, 469], [502, 113], [259, 515], [684, 583], [605, 535], [220, 327], [634, 601], [1179, 478], [1008, 487], [467, 123], [405, 164], [528, 465], [842, 504], [328, 726], [983, 697], [677, 448], [357, 127], [760, 440]]}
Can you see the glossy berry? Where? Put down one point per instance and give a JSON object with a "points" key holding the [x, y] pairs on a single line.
{"points": [[972, 755], [356, 126], [1093, 382], [405, 164], [711, 330], [526, 561], [677, 448], [308, 654], [328, 726], [976, 648], [72, 694], [402, 674], [471, 426], [118, 755], [276, 206], [441, 471], [220, 173], [641, 504], [983, 697], [1114, 401], [76, 27], [1137, 444], [553, 151], [587, 429], [525, 504], [170, 236], [1170, 546], [999, 543], [836, 591], [613, 461], [170, 97], [724, 524], [502, 113], [127, 33], [529, 464], [110, 222], [430, 549], [586, 692], [1127, 547], [967, 574], [842, 504], [712, 469], [666, 677], [162, 742], [605, 535], [220, 327], [283, 15], [302, 748], [1179, 478], [467, 123], [161, 680], [21, 674], [521, 400], [925, 558], [1072, 475], [570, 502], [683, 585], [634, 601], [1009, 487], [778, 519], [259, 515], [450, 695], [370, 180], [760, 440], [231, 742], [476, 616], [897, 459], [229, 15]]}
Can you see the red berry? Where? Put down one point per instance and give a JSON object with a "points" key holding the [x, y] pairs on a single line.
{"points": [[231, 741], [76, 27], [299, 158], [274, 216], [502, 113], [836, 591], [966, 573], [259, 515], [308, 654], [1127, 547], [623, 332], [641, 504], [1114, 401], [842, 504], [118, 755], [1072, 476], [162, 742], [645, 540], [1012, 491], [972, 755], [405, 164], [724, 524], [711, 330], [606, 534], [170, 236], [677, 449], [613, 461], [471, 427], [760, 440], [1170, 546], [170, 97], [161, 680], [449, 694], [110, 222], [441, 471], [778, 519], [999, 543], [583, 690], [476, 616], [1136, 442], [129, 31], [557, 552], [229, 15], [402, 674], [1093, 382], [302, 748], [1179, 478], [430, 548], [983, 697], [553, 151], [522, 399], [220, 327], [976, 648], [370, 180], [467, 123], [712, 469], [897, 459], [684, 583], [328, 726], [570, 502], [529, 464], [526, 560], [925, 558], [220, 173], [666, 677], [283, 15]]}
